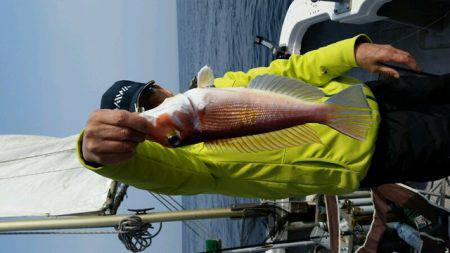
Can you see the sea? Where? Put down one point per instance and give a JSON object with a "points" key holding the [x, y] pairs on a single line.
{"points": [[221, 34]]}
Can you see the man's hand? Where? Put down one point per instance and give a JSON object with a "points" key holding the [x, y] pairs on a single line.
{"points": [[111, 136], [372, 56]]}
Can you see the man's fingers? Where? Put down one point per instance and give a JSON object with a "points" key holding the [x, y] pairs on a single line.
{"points": [[110, 132], [111, 136], [388, 71], [411, 62], [403, 57], [111, 159], [406, 59], [371, 56], [124, 118], [110, 147]]}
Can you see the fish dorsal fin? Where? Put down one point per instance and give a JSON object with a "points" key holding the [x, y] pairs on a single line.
{"points": [[289, 137], [205, 77], [287, 86]]}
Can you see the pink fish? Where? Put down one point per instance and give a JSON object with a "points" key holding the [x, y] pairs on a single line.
{"points": [[271, 113]]}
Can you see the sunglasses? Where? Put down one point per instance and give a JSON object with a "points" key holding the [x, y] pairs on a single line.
{"points": [[144, 96]]}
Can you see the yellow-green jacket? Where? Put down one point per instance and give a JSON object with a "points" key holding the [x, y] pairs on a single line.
{"points": [[334, 167]]}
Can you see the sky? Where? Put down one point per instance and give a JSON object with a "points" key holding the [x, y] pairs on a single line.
{"points": [[57, 57]]}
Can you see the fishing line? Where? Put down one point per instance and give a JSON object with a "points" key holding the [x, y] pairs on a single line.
{"points": [[170, 203], [198, 223], [194, 222], [181, 206], [423, 28], [168, 208], [174, 200], [414, 33]]}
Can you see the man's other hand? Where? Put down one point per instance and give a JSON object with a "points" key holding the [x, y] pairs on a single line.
{"points": [[111, 136], [372, 56]]}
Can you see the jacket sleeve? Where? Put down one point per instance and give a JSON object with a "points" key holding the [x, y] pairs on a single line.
{"points": [[158, 169], [316, 67]]}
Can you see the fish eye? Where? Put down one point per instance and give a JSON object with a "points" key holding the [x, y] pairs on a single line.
{"points": [[174, 140]]}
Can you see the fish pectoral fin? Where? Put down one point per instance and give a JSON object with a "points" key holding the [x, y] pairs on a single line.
{"points": [[286, 86], [205, 77], [289, 137]]}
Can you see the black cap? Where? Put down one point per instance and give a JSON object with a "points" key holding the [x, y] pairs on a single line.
{"points": [[124, 95]]}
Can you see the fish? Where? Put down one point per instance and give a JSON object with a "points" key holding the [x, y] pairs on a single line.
{"points": [[273, 112]]}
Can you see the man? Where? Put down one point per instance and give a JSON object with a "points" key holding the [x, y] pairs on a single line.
{"points": [[113, 143]]}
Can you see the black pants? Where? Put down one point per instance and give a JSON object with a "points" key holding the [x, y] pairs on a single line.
{"points": [[414, 135]]}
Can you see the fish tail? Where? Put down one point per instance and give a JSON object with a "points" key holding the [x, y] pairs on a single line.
{"points": [[353, 116]]}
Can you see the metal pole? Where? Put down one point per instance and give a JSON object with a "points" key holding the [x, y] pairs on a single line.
{"points": [[299, 225], [113, 220], [356, 194], [362, 210], [267, 247], [355, 202]]}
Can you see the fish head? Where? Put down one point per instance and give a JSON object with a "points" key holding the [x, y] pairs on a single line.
{"points": [[172, 121], [166, 132]]}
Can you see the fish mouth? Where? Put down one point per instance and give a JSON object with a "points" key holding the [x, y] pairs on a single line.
{"points": [[174, 139]]}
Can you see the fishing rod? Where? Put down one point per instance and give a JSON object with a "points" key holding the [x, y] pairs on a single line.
{"points": [[398, 68]]}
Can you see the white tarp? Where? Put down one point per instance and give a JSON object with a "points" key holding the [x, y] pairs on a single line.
{"points": [[41, 175]]}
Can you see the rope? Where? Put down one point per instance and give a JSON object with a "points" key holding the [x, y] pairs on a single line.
{"points": [[39, 155], [134, 235], [39, 173]]}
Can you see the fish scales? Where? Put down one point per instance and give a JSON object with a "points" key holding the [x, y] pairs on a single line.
{"points": [[262, 117], [266, 111]]}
